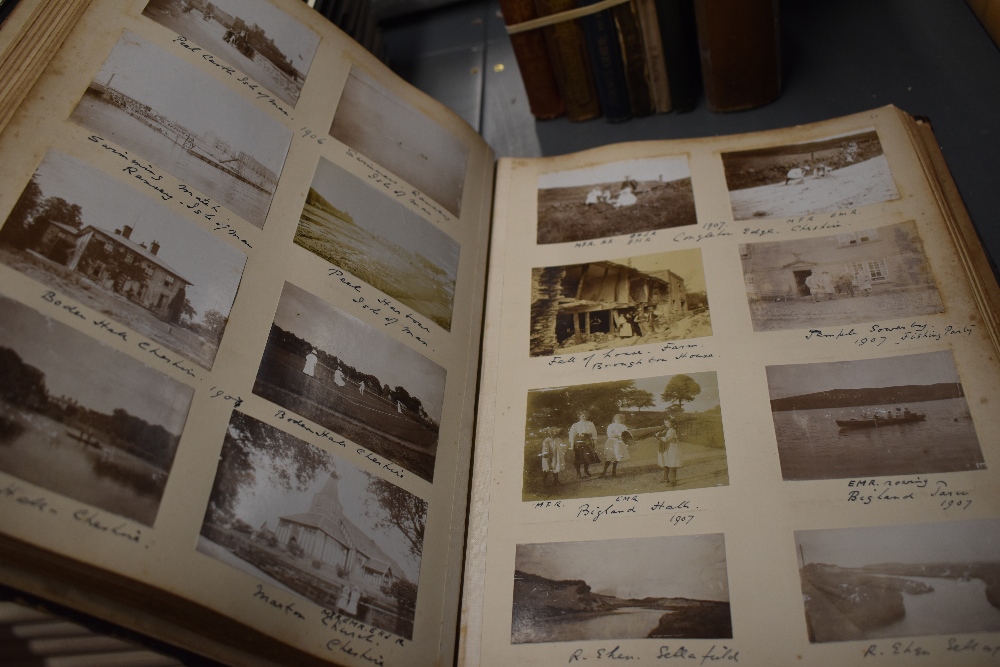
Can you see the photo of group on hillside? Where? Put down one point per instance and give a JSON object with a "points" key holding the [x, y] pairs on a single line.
{"points": [[626, 436]]}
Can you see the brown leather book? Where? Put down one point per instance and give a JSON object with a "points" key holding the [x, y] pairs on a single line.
{"points": [[533, 61], [570, 63], [740, 58], [634, 59]]}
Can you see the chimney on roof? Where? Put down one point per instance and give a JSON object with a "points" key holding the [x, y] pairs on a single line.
{"points": [[154, 247], [118, 232], [126, 231], [142, 245]]}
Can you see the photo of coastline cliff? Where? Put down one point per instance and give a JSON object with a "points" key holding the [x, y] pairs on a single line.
{"points": [[663, 587], [900, 581], [902, 415]]}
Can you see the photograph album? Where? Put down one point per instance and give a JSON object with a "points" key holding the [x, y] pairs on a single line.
{"points": [[294, 371]]}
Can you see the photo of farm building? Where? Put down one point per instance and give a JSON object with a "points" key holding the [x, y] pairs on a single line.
{"points": [[843, 278], [608, 303], [153, 284]]}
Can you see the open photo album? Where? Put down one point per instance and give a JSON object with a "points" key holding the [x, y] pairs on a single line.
{"points": [[294, 371]]}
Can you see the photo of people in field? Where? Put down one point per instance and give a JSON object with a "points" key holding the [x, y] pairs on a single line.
{"points": [[624, 437]]}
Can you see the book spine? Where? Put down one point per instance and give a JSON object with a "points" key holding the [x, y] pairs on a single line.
{"points": [[680, 51], [531, 54], [609, 70], [633, 59], [656, 66], [738, 41], [570, 63]]}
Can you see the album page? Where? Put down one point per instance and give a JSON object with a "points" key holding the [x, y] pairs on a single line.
{"points": [[736, 407], [241, 275]]}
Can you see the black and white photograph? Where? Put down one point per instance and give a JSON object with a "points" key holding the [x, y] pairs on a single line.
{"points": [[123, 254], [618, 303], [358, 229], [903, 415], [624, 437], [378, 124], [83, 420], [312, 524], [834, 174], [847, 278], [188, 124], [615, 198], [900, 581], [251, 35], [654, 587], [346, 375]]}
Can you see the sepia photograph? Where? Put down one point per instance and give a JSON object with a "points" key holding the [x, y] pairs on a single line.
{"points": [[654, 587], [624, 437], [375, 122], [358, 229], [312, 524], [846, 278], [251, 35], [188, 124], [900, 581], [343, 374], [83, 420], [125, 255], [615, 198], [832, 174], [871, 418], [618, 303]]}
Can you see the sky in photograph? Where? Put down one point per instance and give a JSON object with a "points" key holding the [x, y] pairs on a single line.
{"points": [[213, 266], [649, 169], [707, 399], [685, 263], [97, 376], [689, 566], [911, 369], [264, 502], [362, 346], [953, 541], [373, 211], [194, 100]]}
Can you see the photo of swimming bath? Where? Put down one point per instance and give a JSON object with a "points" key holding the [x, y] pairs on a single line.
{"points": [[659, 587], [900, 581], [891, 416], [83, 420]]}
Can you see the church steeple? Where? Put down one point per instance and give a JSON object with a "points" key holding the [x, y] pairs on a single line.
{"points": [[327, 501]]}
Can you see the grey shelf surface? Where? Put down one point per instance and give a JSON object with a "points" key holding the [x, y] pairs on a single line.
{"points": [[929, 57]]}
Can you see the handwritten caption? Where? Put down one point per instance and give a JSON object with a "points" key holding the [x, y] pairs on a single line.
{"points": [[967, 647], [805, 223], [715, 653], [392, 315], [619, 358], [325, 434], [869, 491], [675, 513], [411, 196], [877, 335], [90, 518]]}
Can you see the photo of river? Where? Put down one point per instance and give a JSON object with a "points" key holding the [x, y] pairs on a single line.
{"points": [[901, 581]]}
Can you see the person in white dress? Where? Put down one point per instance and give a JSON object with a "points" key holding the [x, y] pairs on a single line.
{"points": [[615, 449], [668, 454], [553, 457], [310, 367], [338, 378], [581, 437], [361, 388]]}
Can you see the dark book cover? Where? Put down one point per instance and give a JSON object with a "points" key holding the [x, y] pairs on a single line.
{"points": [[570, 62], [531, 54], [609, 69]]}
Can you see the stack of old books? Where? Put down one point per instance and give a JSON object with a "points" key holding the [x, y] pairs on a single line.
{"points": [[626, 58]]}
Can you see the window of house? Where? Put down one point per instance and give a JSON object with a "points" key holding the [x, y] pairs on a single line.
{"points": [[855, 238], [744, 251], [168, 281], [875, 268]]}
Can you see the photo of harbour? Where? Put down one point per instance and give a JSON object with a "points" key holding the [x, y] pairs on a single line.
{"points": [[901, 415], [900, 581]]}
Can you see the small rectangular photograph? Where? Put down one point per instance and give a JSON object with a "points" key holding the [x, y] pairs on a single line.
{"points": [[251, 35], [123, 254], [83, 420], [403, 139], [185, 122], [615, 198], [653, 587], [872, 418], [312, 524], [846, 278], [834, 174], [624, 437], [357, 228], [900, 581], [618, 303], [342, 373]]}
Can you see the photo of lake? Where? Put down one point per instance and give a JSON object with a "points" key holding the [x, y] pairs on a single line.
{"points": [[894, 416], [621, 589], [901, 581]]}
